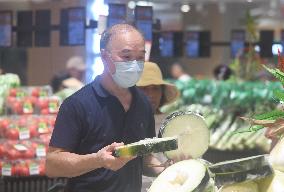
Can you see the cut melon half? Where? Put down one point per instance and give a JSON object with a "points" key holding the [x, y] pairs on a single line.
{"points": [[192, 132], [184, 176]]}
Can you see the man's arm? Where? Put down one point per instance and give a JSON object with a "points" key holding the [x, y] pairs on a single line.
{"points": [[61, 163]]}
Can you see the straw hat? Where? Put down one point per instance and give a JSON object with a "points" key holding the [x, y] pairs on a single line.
{"points": [[152, 75]]}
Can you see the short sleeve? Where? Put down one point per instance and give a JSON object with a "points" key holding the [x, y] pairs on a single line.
{"points": [[68, 126]]}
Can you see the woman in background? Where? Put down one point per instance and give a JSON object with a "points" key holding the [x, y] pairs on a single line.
{"points": [[157, 90]]}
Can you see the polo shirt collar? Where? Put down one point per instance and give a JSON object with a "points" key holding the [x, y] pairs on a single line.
{"points": [[99, 88]]}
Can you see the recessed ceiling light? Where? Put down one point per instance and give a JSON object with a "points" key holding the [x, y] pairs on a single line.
{"points": [[185, 8], [249, 1], [131, 4]]}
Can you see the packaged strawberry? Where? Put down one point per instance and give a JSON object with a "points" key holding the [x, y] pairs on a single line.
{"points": [[5, 121], [16, 150]]}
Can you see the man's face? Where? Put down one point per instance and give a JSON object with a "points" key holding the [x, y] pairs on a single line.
{"points": [[127, 46]]}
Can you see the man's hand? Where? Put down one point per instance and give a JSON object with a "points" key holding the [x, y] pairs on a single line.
{"points": [[108, 161]]}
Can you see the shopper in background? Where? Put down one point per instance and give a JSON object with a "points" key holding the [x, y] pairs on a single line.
{"points": [[76, 68], [56, 82], [104, 115], [222, 72], [177, 72], [157, 90]]}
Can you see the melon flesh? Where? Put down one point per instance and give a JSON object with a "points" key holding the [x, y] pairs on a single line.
{"points": [[193, 136], [184, 176], [274, 183], [276, 156]]}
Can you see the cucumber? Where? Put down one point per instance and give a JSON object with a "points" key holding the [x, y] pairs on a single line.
{"points": [[146, 146], [192, 132], [184, 176], [220, 131]]}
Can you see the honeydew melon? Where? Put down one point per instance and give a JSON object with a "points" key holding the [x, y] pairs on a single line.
{"points": [[192, 132], [184, 176], [276, 156], [274, 183], [146, 146], [241, 187]]}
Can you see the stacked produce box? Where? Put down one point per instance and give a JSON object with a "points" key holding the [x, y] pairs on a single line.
{"points": [[25, 130]]}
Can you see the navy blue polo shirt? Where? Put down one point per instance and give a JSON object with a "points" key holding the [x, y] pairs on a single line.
{"points": [[91, 119]]}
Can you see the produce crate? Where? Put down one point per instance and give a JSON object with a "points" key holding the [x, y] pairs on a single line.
{"points": [[30, 184]]}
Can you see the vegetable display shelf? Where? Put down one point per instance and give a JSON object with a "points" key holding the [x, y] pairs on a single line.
{"points": [[25, 131]]}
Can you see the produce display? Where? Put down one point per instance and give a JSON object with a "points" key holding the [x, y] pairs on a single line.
{"points": [[146, 146], [7, 81], [25, 130]]}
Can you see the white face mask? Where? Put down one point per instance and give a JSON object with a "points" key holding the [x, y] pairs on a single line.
{"points": [[127, 73]]}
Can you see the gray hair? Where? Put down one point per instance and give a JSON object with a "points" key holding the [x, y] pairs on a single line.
{"points": [[116, 29]]}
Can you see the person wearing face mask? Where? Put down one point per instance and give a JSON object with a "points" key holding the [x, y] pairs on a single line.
{"points": [[105, 114]]}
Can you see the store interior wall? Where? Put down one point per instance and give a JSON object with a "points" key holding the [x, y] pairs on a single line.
{"points": [[44, 62], [219, 23]]}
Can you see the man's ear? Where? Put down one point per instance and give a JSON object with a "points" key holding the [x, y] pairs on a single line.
{"points": [[108, 64]]}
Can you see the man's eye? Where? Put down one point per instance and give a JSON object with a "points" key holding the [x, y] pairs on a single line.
{"points": [[126, 57]]}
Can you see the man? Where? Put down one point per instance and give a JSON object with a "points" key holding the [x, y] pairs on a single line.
{"points": [[102, 116]]}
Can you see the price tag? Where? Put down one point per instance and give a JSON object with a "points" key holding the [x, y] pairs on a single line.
{"points": [[34, 169], [7, 170], [28, 108], [24, 133], [53, 107], [20, 147], [40, 151], [42, 128]]}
